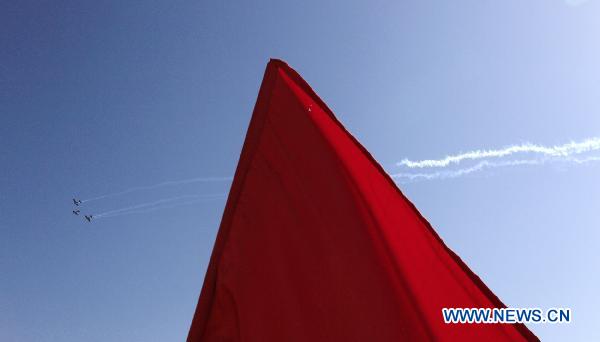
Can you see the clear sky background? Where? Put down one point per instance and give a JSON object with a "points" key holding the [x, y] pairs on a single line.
{"points": [[97, 97]]}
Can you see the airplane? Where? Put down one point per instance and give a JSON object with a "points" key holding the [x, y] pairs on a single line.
{"points": [[76, 212], [89, 217], [76, 201]]}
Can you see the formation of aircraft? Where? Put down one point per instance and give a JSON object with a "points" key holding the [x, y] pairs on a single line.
{"points": [[76, 211]]}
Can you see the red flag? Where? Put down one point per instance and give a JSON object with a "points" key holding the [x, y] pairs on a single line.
{"points": [[318, 244]]}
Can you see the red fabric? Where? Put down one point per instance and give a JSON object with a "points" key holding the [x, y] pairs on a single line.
{"points": [[318, 244]]}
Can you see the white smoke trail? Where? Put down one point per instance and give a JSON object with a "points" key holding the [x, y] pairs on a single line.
{"points": [[486, 164], [584, 160], [465, 171], [154, 208], [160, 185], [566, 150], [152, 204]]}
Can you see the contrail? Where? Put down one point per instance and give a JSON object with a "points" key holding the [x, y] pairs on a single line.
{"points": [[152, 204], [486, 164], [160, 185], [569, 149]]}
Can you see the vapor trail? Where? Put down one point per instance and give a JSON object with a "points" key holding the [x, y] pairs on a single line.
{"points": [[152, 204], [160, 185], [566, 150], [486, 164]]}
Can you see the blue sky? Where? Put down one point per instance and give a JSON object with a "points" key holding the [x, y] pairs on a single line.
{"points": [[99, 97]]}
